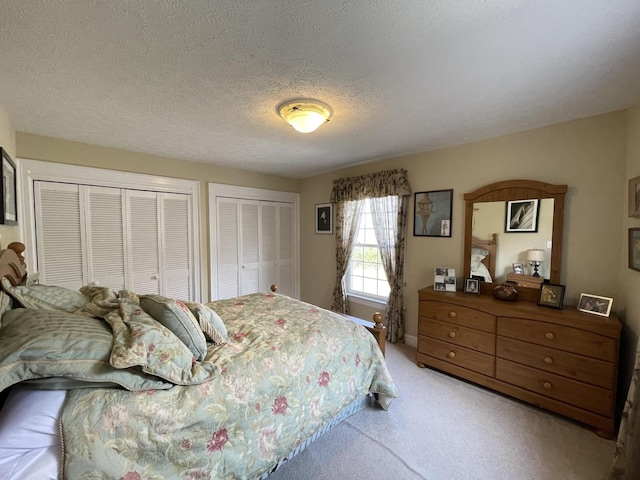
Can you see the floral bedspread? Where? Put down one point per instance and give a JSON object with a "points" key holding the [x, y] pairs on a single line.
{"points": [[289, 367]]}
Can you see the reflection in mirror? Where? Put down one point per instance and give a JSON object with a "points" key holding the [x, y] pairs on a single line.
{"points": [[511, 247]]}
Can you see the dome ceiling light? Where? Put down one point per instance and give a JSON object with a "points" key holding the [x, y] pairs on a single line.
{"points": [[305, 115]]}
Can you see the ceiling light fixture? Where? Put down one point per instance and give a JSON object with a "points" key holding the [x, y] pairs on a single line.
{"points": [[305, 115]]}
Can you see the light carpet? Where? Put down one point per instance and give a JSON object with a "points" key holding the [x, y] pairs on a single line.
{"points": [[443, 428]]}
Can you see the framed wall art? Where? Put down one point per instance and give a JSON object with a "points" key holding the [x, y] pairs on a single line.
{"points": [[551, 295], [432, 213], [634, 197], [634, 248], [9, 210], [522, 216], [324, 218], [595, 304]]}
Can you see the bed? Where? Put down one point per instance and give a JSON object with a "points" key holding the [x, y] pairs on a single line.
{"points": [[483, 258], [106, 384]]}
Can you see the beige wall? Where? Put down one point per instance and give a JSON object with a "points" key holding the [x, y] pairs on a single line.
{"points": [[628, 297], [8, 234], [48, 149], [588, 155]]}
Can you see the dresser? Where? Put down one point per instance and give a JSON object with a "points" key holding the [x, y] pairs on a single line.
{"points": [[564, 360]]}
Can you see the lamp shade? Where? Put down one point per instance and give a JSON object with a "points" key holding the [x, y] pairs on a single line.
{"points": [[305, 115], [535, 255]]}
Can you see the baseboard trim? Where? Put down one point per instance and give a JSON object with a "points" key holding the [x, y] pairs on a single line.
{"points": [[411, 340]]}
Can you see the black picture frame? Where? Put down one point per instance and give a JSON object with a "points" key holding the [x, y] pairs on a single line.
{"points": [[432, 213], [634, 197], [634, 249], [472, 285], [522, 216], [324, 218], [9, 206], [551, 295]]}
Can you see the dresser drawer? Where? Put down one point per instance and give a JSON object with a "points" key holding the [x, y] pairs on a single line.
{"points": [[467, 317], [576, 367], [458, 335], [456, 355], [560, 337], [581, 395]]}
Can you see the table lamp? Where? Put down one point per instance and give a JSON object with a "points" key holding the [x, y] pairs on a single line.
{"points": [[535, 257]]}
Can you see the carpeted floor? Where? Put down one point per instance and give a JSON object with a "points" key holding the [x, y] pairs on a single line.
{"points": [[443, 428]]}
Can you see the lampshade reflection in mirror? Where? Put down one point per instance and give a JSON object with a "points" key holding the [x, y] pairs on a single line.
{"points": [[535, 257]]}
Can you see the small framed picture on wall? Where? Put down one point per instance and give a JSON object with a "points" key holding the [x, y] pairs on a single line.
{"points": [[324, 218], [9, 213]]}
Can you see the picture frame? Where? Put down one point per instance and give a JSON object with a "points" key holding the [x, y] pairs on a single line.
{"points": [[9, 205], [634, 197], [595, 304], [522, 216], [324, 218], [634, 249], [432, 213], [551, 295], [518, 268], [444, 279], [472, 285]]}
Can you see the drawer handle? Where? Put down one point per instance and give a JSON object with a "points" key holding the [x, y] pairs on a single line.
{"points": [[453, 314], [549, 336], [548, 360], [451, 355], [547, 385], [452, 334]]}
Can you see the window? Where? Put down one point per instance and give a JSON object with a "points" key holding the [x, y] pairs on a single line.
{"points": [[365, 276]]}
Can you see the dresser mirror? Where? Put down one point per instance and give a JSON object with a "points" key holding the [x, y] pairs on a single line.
{"points": [[493, 244]]}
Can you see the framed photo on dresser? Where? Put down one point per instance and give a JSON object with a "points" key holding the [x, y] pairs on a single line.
{"points": [[595, 304]]}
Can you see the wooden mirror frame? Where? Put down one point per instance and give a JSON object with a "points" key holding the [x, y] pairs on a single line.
{"points": [[518, 190]]}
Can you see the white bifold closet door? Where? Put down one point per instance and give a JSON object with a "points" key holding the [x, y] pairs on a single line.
{"points": [[113, 237], [254, 247]]}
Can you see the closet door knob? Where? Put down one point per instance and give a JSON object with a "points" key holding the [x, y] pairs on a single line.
{"points": [[548, 360], [453, 314], [549, 336]]}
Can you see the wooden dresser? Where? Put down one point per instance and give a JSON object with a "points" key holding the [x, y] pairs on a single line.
{"points": [[563, 360]]}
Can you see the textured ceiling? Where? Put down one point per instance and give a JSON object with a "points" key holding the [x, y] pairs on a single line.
{"points": [[201, 80]]}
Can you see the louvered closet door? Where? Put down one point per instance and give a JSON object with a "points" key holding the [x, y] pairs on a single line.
{"points": [[177, 255], [60, 235], [144, 243], [105, 238], [268, 245], [227, 248], [286, 250], [249, 247]]}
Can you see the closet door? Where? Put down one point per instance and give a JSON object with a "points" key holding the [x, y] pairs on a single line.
{"points": [[105, 238], [177, 256], [268, 245], [227, 248], [60, 237], [249, 247], [144, 243], [286, 250]]}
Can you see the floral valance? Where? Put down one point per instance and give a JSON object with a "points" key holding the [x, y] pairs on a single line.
{"points": [[371, 185]]}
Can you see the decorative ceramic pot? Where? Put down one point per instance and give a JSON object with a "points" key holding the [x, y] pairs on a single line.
{"points": [[506, 291]]}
